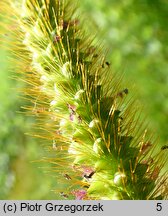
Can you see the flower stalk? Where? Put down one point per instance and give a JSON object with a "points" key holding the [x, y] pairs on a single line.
{"points": [[88, 120]]}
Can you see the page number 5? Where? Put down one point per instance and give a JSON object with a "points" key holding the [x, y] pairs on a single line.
{"points": [[159, 207]]}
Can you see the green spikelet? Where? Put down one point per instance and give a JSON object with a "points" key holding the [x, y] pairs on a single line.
{"points": [[86, 117]]}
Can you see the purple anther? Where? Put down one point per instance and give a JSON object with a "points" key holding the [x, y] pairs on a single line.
{"points": [[57, 38], [71, 116], [79, 194]]}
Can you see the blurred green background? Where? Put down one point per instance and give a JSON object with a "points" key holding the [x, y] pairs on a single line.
{"points": [[136, 34], [20, 178]]}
